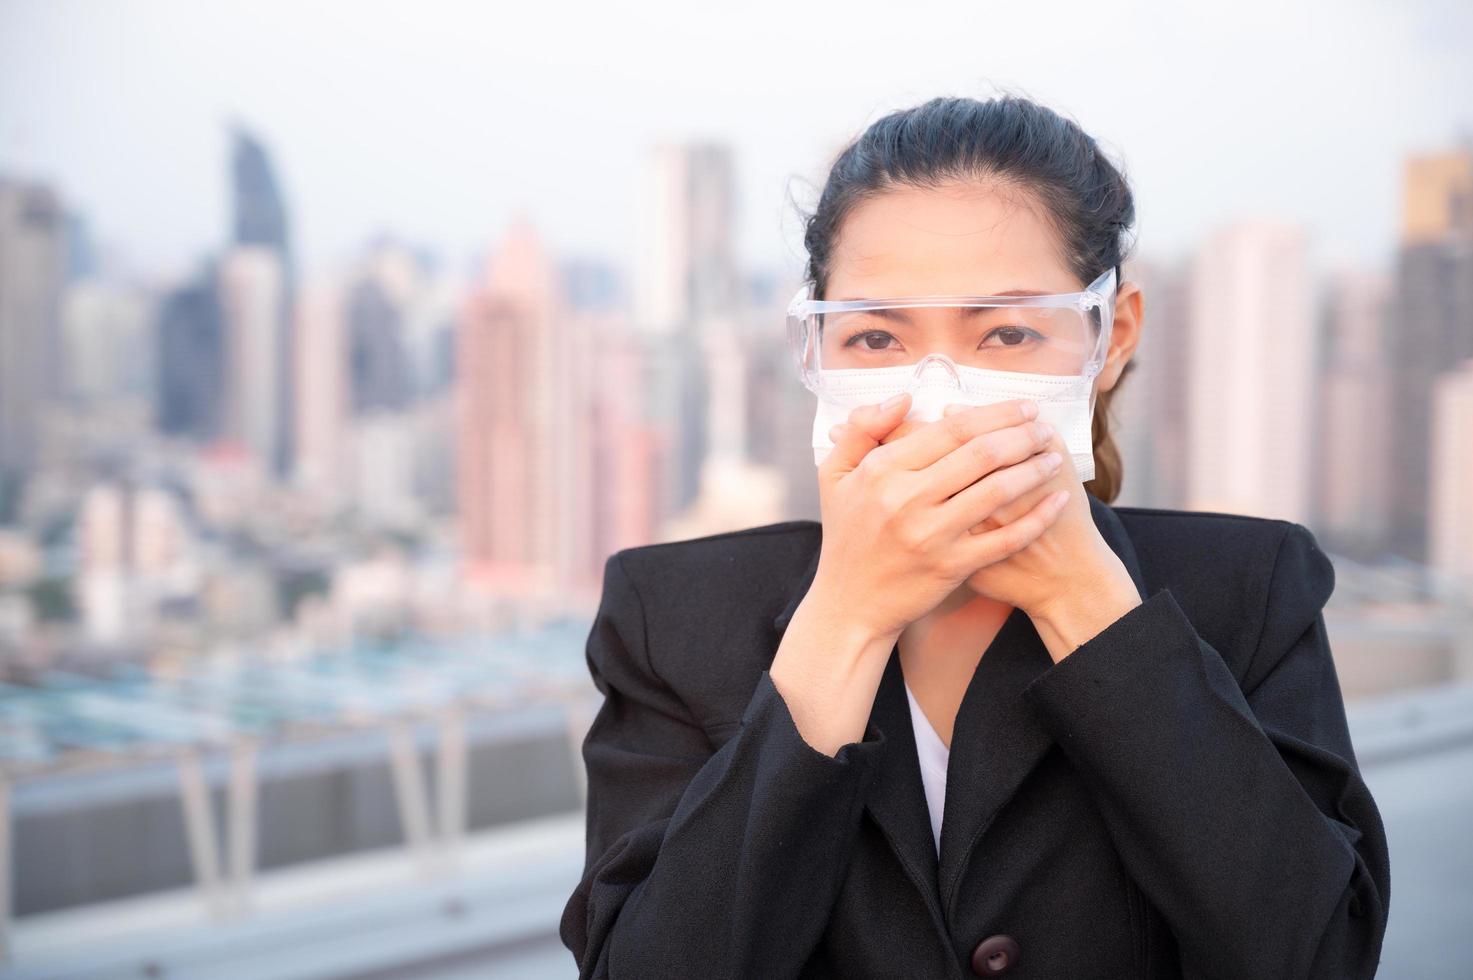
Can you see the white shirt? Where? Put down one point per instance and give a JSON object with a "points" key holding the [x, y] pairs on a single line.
{"points": [[933, 754]]}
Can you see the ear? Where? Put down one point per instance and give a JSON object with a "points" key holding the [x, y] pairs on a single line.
{"points": [[1125, 334]]}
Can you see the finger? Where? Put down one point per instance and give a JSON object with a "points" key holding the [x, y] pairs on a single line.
{"points": [[867, 425], [879, 420], [989, 496], [934, 440], [993, 546], [974, 459]]}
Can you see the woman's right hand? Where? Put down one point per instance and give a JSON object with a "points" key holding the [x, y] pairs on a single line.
{"points": [[898, 504]]}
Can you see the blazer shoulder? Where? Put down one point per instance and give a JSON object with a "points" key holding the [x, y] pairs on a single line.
{"points": [[1246, 582], [708, 604]]}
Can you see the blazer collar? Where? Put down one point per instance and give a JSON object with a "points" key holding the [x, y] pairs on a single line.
{"points": [[996, 741]]}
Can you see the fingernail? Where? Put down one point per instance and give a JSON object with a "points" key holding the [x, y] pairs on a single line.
{"points": [[834, 433], [1030, 409], [952, 409], [1051, 461], [891, 402]]}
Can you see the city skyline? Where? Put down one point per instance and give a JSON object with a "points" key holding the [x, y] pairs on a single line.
{"points": [[346, 132]]}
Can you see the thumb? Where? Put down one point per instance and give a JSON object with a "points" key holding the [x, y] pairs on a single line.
{"points": [[867, 425]]}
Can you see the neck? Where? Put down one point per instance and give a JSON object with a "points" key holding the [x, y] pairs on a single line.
{"points": [[963, 623]]}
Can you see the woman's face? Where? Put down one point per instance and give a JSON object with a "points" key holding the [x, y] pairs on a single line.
{"points": [[959, 239]]}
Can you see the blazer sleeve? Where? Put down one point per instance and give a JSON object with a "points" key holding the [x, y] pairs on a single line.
{"points": [[1238, 809], [701, 862]]}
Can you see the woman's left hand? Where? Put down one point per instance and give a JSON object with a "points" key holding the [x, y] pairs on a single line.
{"points": [[1069, 581]]}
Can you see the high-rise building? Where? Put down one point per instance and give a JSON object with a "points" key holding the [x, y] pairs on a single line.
{"points": [[191, 361], [32, 274], [321, 362], [261, 225], [522, 411], [1148, 413], [1352, 475], [1430, 325], [252, 286], [259, 208], [1450, 501], [687, 259], [1252, 355], [107, 336], [380, 371]]}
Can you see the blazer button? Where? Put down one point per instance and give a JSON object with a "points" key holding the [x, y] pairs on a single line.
{"points": [[994, 955]]}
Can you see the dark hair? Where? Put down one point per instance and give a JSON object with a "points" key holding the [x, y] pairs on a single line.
{"points": [[1012, 140]]}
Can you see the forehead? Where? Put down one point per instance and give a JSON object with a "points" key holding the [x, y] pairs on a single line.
{"points": [[957, 239]]}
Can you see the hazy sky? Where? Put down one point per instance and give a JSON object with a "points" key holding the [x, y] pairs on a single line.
{"points": [[439, 121]]}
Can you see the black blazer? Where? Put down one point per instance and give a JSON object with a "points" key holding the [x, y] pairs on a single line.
{"points": [[1178, 797]]}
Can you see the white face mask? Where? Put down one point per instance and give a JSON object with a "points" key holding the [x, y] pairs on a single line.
{"points": [[1064, 401]]}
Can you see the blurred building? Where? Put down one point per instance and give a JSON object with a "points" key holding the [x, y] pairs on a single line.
{"points": [[1450, 507], [1251, 394], [1352, 475], [523, 423], [320, 379], [107, 340], [252, 293], [687, 256], [686, 277], [191, 360], [32, 274], [1149, 416], [1431, 325], [261, 228]]}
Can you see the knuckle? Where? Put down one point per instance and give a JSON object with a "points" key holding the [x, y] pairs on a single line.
{"points": [[958, 426], [983, 453], [892, 498]]}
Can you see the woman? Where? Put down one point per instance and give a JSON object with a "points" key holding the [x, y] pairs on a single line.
{"points": [[976, 721]]}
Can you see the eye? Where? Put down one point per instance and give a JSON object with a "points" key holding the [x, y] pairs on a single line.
{"points": [[871, 340], [1011, 336]]}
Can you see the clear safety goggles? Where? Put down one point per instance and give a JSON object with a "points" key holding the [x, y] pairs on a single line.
{"points": [[1055, 335]]}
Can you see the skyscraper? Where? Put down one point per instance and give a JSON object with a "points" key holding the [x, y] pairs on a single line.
{"points": [[521, 399], [252, 291], [261, 226], [687, 264], [1149, 415], [1450, 502], [1252, 397], [191, 361], [1352, 468], [1431, 325], [260, 212], [685, 278], [32, 273]]}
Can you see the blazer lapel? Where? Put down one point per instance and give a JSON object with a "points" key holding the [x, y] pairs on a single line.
{"points": [[897, 797], [996, 740]]}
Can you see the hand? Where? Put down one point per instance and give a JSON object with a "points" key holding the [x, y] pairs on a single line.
{"points": [[1069, 574], [897, 510]]}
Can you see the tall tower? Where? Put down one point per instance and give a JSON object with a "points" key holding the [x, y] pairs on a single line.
{"points": [[32, 271], [1251, 403], [1353, 473], [259, 211], [685, 280], [1450, 503], [261, 229], [522, 491], [1431, 325], [687, 264]]}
